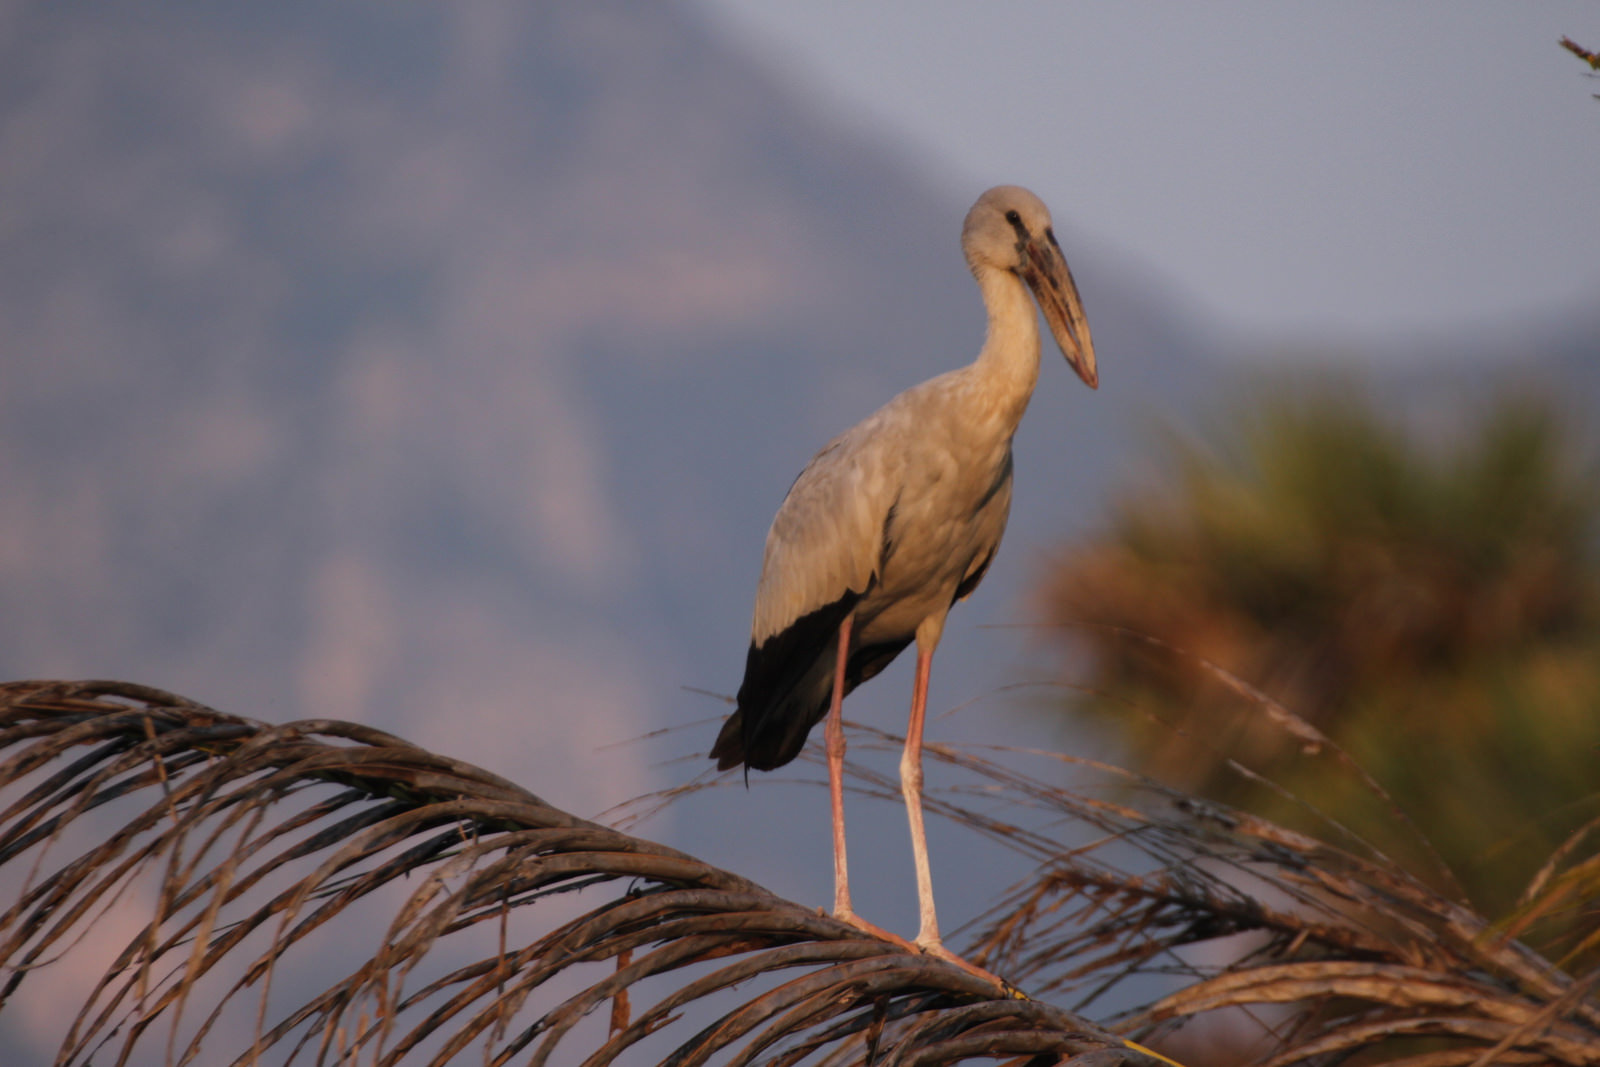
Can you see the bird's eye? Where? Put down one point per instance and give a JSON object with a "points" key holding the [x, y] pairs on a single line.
{"points": [[1013, 218]]}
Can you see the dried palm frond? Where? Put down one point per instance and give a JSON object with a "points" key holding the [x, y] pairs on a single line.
{"points": [[238, 864], [1177, 909], [508, 930]]}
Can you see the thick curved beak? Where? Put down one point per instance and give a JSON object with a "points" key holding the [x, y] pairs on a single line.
{"points": [[1045, 271]]}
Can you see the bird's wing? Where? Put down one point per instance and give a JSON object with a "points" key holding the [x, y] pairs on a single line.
{"points": [[992, 511], [828, 536]]}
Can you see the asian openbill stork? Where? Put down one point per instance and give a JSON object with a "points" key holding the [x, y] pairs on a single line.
{"points": [[897, 519]]}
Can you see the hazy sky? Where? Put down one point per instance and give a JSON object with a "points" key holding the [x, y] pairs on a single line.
{"points": [[1358, 169], [440, 366]]}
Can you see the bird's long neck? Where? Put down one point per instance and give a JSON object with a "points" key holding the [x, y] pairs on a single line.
{"points": [[1008, 366]]}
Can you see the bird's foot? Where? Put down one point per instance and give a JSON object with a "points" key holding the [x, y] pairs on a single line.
{"points": [[935, 947], [845, 915], [929, 947]]}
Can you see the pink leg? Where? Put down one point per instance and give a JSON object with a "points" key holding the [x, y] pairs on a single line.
{"points": [[911, 786], [834, 736]]}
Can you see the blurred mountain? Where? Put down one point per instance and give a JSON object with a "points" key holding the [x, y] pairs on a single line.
{"points": [[370, 360], [441, 366]]}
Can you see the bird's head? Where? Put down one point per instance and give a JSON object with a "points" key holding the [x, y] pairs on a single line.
{"points": [[1009, 229]]}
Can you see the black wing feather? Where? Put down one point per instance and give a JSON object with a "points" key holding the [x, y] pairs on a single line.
{"points": [[778, 699], [788, 679]]}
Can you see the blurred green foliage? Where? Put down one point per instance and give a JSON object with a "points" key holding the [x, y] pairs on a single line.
{"points": [[1433, 606]]}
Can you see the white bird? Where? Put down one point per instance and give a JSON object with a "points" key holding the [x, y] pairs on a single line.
{"points": [[897, 519]]}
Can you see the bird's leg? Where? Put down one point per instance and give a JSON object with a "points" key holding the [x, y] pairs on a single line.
{"points": [[834, 736], [911, 786], [928, 939]]}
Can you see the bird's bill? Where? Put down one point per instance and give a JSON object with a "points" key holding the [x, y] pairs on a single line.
{"points": [[1045, 271]]}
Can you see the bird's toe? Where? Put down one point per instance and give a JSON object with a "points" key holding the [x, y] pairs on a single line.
{"points": [[936, 948]]}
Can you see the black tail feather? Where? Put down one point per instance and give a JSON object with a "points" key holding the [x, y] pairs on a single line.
{"points": [[788, 685], [779, 699]]}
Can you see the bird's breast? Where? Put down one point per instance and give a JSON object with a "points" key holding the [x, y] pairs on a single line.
{"points": [[944, 524]]}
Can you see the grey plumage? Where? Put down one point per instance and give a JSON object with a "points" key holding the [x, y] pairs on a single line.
{"points": [[899, 517]]}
